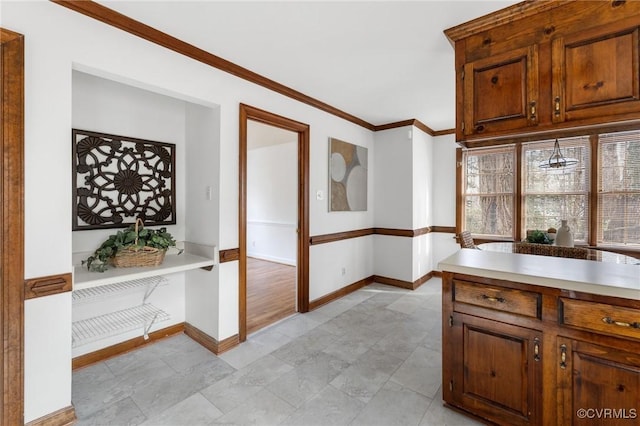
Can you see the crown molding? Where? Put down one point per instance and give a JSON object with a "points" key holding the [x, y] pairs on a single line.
{"points": [[109, 16], [416, 123], [509, 14]]}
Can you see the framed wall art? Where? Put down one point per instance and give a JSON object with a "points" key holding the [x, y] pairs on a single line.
{"points": [[117, 179], [348, 168]]}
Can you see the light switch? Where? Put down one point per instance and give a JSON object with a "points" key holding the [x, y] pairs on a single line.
{"points": [[319, 195]]}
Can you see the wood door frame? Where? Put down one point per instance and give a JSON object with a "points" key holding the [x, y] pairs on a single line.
{"points": [[251, 113], [12, 227]]}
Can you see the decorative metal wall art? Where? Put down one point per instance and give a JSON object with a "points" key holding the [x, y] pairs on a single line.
{"points": [[117, 179]]}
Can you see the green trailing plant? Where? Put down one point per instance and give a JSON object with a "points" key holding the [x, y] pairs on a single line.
{"points": [[539, 237], [157, 238]]}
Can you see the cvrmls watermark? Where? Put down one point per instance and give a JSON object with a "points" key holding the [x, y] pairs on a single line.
{"points": [[607, 413]]}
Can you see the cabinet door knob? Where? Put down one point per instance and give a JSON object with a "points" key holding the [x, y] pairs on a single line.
{"points": [[563, 356], [533, 110], [556, 107]]}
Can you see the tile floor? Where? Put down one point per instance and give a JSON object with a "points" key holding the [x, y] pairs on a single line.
{"points": [[369, 358]]}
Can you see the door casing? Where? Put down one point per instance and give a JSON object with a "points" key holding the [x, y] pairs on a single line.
{"points": [[251, 113], [12, 227]]}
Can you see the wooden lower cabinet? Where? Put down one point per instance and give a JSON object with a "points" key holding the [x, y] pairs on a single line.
{"points": [[520, 354], [497, 372], [597, 385]]}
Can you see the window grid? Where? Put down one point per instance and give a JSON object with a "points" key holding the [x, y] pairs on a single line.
{"points": [[488, 192], [615, 206], [550, 196], [618, 215]]}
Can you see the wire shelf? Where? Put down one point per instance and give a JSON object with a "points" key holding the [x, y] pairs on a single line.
{"points": [[92, 293], [100, 327]]}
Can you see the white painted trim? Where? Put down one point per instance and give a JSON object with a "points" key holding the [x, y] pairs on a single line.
{"points": [[290, 262], [271, 223]]}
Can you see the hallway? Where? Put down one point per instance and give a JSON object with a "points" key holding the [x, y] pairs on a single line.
{"points": [[271, 293]]}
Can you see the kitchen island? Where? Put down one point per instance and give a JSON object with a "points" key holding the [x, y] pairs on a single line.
{"points": [[538, 340]]}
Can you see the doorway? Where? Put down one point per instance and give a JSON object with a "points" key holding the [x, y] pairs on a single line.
{"points": [[272, 204], [251, 267]]}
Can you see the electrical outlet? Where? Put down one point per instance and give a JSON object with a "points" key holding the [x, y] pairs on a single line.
{"points": [[344, 271]]}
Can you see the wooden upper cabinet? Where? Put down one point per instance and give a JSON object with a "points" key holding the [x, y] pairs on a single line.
{"points": [[596, 74], [500, 92], [547, 66]]}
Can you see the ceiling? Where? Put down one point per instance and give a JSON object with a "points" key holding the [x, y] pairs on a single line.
{"points": [[381, 61], [261, 135]]}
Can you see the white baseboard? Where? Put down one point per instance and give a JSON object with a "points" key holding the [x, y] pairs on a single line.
{"points": [[290, 262]]}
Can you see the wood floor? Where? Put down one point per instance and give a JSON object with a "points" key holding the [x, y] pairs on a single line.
{"points": [[271, 293]]}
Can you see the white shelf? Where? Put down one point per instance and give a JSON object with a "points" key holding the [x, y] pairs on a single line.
{"points": [[92, 293], [84, 279], [139, 317]]}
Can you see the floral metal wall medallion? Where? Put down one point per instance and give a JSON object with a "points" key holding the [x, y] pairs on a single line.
{"points": [[117, 179]]}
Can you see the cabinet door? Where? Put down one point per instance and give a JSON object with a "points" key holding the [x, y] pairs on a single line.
{"points": [[597, 385], [496, 370], [596, 75], [500, 92]]}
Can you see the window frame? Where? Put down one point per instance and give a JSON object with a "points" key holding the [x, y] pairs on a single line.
{"points": [[596, 196], [463, 195], [585, 164], [592, 195]]}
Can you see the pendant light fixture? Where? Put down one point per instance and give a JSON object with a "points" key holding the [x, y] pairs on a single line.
{"points": [[557, 161]]}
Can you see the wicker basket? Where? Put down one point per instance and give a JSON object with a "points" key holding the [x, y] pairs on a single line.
{"points": [[133, 256], [549, 250]]}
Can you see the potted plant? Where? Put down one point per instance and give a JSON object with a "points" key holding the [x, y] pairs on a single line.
{"points": [[134, 246], [538, 237]]}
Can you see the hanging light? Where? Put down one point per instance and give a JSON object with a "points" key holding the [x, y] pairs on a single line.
{"points": [[557, 161]]}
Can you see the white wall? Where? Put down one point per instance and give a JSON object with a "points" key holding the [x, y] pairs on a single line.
{"points": [[202, 135], [338, 264], [326, 261], [394, 202], [444, 196], [423, 184], [404, 200], [202, 298], [272, 202], [47, 350], [58, 41], [394, 178]]}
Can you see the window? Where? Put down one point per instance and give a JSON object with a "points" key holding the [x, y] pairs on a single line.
{"points": [[552, 195], [619, 189], [488, 191], [503, 191]]}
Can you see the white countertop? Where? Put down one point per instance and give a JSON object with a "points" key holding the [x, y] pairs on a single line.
{"points": [[606, 279]]}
